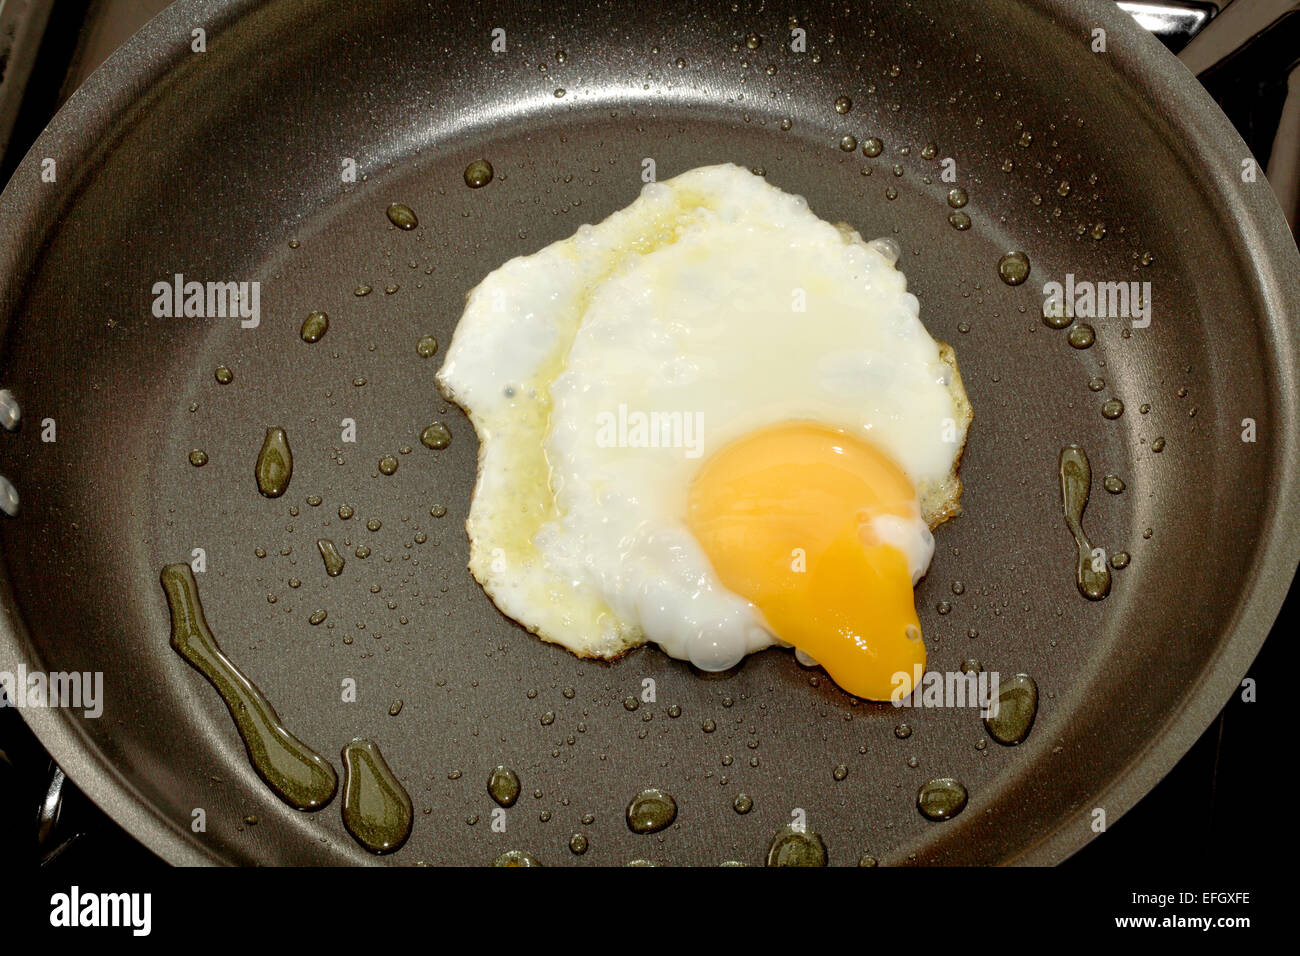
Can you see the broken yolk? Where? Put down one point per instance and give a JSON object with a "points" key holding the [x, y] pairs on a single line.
{"points": [[785, 516]]}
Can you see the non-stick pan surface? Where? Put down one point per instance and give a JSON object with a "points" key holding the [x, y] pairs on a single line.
{"points": [[226, 165]]}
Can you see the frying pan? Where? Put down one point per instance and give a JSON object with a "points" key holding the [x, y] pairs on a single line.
{"points": [[225, 165]]}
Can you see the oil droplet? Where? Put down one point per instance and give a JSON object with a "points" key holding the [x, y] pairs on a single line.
{"points": [[330, 555], [957, 197], [1158, 445], [1013, 268], [959, 221], [1081, 336], [578, 844], [843, 104], [377, 810], [224, 375], [841, 772], [941, 799], [1056, 316], [1016, 708], [1096, 384], [1119, 560], [437, 436], [478, 173], [317, 617], [346, 512], [1112, 409], [427, 346], [1113, 483], [198, 458], [743, 803], [503, 786], [274, 464], [314, 327], [402, 216], [1076, 483], [929, 151], [848, 143], [753, 41], [516, 858], [791, 847], [387, 465], [867, 860], [872, 147], [1025, 139], [650, 811], [297, 774]]}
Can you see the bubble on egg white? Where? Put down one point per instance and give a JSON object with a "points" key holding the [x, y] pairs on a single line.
{"points": [[888, 248]]}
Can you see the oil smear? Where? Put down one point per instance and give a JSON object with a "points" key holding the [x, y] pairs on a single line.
{"points": [[503, 786], [314, 327], [329, 554], [651, 811], [1017, 707], [1092, 577], [941, 799], [377, 810], [516, 858], [274, 464], [796, 847], [301, 777]]}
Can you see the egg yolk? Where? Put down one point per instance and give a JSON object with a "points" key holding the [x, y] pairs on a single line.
{"points": [[784, 515]]}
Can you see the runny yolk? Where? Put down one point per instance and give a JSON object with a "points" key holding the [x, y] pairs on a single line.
{"points": [[784, 515]]}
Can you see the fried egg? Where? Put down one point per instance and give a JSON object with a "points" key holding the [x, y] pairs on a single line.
{"points": [[716, 422]]}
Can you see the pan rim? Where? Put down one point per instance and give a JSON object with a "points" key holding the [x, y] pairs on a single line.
{"points": [[97, 108]]}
